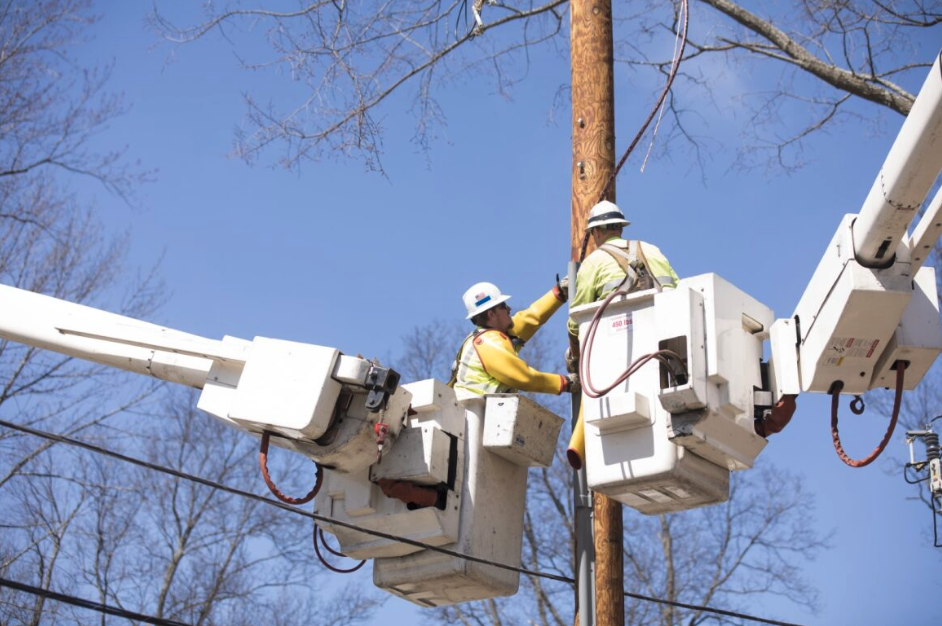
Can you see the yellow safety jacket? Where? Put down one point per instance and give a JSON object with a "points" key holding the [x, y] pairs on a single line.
{"points": [[487, 361], [600, 273]]}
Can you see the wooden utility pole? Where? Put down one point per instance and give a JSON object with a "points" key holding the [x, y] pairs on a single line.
{"points": [[593, 110], [593, 161]]}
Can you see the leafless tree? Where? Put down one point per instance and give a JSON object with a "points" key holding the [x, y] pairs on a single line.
{"points": [[50, 243], [427, 350], [352, 57], [50, 107], [175, 549], [810, 66], [200, 556], [817, 58], [86, 525]]}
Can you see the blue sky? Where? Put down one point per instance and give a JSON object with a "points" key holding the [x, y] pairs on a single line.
{"points": [[338, 256]]}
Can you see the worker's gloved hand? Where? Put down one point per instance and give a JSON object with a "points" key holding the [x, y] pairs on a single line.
{"points": [[572, 362], [572, 384], [561, 288]]}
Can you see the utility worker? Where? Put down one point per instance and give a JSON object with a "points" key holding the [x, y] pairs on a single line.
{"points": [[615, 263], [487, 361], [635, 266]]}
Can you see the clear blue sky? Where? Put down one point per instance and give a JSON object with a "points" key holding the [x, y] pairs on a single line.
{"points": [[338, 256]]}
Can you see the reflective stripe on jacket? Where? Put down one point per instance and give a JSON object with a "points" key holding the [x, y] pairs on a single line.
{"points": [[488, 361], [600, 274]]}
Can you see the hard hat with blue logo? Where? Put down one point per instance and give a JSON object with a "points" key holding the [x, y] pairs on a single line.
{"points": [[481, 297]]}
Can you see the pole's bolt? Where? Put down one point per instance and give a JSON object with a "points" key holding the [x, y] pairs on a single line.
{"points": [[581, 166], [581, 122]]}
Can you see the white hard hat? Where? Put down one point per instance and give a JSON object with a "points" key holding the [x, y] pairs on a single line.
{"points": [[481, 297], [606, 213]]}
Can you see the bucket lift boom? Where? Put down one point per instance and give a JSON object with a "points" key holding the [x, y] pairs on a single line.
{"points": [[456, 473], [661, 443]]}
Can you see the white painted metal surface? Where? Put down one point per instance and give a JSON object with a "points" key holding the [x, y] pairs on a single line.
{"points": [[57, 325], [784, 376], [917, 339], [926, 233], [287, 387], [907, 175], [848, 314], [658, 446], [493, 496], [520, 430], [432, 435], [850, 320]]}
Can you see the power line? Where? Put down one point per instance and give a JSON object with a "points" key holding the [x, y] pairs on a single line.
{"points": [[88, 604], [246, 494], [376, 533]]}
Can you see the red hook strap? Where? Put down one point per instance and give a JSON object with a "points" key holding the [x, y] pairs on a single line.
{"points": [[835, 436], [263, 463]]}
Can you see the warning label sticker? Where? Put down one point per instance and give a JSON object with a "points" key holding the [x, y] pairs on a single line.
{"points": [[842, 348], [620, 324]]}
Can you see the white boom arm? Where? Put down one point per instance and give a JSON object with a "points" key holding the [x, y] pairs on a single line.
{"points": [[75, 330], [448, 477], [870, 302], [900, 188]]}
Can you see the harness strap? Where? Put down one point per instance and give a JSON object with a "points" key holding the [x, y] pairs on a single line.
{"points": [[640, 251], [628, 264]]}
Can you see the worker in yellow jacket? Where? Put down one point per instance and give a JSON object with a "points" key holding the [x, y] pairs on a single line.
{"points": [[617, 263], [487, 361], [634, 266]]}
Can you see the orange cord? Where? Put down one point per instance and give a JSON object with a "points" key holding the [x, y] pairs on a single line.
{"points": [[263, 462], [835, 436]]}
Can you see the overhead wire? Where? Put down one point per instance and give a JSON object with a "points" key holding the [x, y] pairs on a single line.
{"points": [[660, 114], [88, 604], [675, 65], [376, 533]]}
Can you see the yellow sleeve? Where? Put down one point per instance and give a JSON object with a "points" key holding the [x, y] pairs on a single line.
{"points": [[587, 287], [501, 361], [529, 320]]}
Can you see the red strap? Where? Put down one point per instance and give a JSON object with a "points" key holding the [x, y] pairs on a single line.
{"points": [[836, 438]]}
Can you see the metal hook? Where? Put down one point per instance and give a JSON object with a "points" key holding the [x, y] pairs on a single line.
{"points": [[857, 405]]}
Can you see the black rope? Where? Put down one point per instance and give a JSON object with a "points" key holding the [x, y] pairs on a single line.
{"points": [[375, 533], [88, 604]]}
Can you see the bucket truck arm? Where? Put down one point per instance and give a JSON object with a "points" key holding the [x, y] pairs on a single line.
{"points": [[407, 460], [660, 443], [284, 387], [870, 303]]}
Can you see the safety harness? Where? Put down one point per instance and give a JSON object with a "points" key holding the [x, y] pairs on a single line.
{"points": [[635, 266]]}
